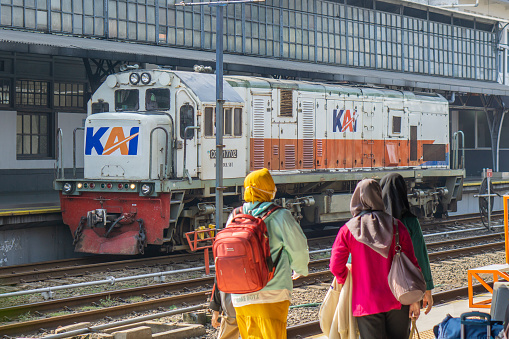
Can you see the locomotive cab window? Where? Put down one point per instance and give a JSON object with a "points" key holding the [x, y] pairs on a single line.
{"points": [[99, 107], [186, 119], [126, 100], [157, 99]]}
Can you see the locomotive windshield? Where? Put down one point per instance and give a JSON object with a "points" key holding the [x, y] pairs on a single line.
{"points": [[157, 99], [126, 100]]}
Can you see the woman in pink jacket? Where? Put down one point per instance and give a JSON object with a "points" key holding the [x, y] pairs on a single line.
{"points": [[369, 238]]}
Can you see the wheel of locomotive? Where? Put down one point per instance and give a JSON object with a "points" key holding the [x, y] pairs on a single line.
{"points": [[183, 226], [483, 201]]}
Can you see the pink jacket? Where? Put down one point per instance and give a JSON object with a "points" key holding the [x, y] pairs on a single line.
{"points": [[371, 293]]}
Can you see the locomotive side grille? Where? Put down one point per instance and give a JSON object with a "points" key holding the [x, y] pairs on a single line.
{"points": [[289, 156], [286, 103], [319, 148], [275, 150], [308, 124], [259, 109]]}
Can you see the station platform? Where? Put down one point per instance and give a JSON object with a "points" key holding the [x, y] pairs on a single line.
{"points": [[425, 323], [18, 209]]}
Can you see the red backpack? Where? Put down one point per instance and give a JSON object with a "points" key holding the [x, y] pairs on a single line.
{"points": [[242, 253]]}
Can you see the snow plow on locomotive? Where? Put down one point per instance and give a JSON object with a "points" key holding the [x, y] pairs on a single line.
{"points": [[149, 154]]}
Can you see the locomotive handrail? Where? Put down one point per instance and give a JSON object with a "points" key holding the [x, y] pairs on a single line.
{"points": [[60, 163], [185, 171], [456, 149], [165, 174], [74, 150]]}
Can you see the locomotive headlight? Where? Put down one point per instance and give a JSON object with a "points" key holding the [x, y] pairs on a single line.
{"points": [[133, 186], [80, 185], [145, 78], [146, 189], [134, 78], [68, 188]]}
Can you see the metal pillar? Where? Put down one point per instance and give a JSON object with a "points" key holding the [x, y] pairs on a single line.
{"points": [[219, 116]]}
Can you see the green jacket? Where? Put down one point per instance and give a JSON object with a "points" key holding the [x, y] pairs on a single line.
{"points": [[284, 232], [421, 252]]}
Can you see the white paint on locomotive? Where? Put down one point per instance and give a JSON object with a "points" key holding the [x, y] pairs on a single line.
{"points": [[317, 139]]}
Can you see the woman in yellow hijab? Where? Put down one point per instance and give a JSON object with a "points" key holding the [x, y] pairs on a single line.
{"points": [[259, 186], [263, 314]]}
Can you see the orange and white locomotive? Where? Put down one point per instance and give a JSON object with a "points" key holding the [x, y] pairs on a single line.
{"points": [[150, 154]]}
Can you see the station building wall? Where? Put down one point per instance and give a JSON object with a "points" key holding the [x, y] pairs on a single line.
{"points": [[38, 95]]}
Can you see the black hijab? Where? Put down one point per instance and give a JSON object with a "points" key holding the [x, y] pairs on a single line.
{"points": [[394, 195]]}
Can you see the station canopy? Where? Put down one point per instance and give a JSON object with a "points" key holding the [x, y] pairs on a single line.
{"points": [[50, 44]]}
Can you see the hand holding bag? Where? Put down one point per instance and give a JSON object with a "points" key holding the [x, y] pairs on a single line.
{"points": [[405, 279], [414, 334]]}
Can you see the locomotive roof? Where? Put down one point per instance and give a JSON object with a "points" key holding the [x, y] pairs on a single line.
{"points": [[328, 89], [204, 86]]}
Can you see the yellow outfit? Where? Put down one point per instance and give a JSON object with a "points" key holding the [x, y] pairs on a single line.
{"points": [[263, 321]]}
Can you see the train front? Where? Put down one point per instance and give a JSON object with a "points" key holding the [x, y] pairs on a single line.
{"points": [[107, 213]]}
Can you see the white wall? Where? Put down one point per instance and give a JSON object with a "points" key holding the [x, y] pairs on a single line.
{"points": [[67, 121]]}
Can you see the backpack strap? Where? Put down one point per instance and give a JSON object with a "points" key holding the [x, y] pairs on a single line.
{"points": [[270, 209]]}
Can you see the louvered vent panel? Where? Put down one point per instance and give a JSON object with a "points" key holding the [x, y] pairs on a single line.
{"points": [[275, 150], [319, 148], [308, 124], [286, 103], [258, 132], [289, 156]]}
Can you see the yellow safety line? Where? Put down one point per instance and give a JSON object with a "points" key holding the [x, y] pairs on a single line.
{"points": [[479, 183], [34, 211]]}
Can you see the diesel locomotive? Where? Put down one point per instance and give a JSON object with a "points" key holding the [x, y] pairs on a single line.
{"points": [[150, 153]]}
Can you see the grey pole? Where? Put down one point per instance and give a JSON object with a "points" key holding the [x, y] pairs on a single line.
{"points": [[219, 116], [219, 97]]}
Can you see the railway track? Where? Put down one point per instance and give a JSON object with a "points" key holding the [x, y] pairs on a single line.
{"points": [[177, 288], [184, 300], [11, 275]]}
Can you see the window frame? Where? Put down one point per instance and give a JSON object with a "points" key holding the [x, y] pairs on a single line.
{"points": [[209, 122], [49, 133]]}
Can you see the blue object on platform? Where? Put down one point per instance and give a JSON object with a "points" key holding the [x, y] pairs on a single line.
{"points": [[450, 328]]}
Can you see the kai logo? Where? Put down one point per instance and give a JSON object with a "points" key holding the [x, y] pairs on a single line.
{"points": [[344, 120], [117, 143]]}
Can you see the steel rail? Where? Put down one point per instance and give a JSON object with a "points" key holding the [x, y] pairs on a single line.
{"points": [[10, 275], [148, 305], [465, 250], [66, 271], [459, 241]]}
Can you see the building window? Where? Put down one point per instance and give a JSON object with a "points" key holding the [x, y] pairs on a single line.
{"points": [[32, 93], [5, 90], [69, 95], [33, 135]]}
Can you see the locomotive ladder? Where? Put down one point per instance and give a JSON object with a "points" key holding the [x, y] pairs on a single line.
{"points": [[176, 205]]}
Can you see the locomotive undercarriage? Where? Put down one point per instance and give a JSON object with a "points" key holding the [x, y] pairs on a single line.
{"points": [[323, 202], [161, 219]]}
